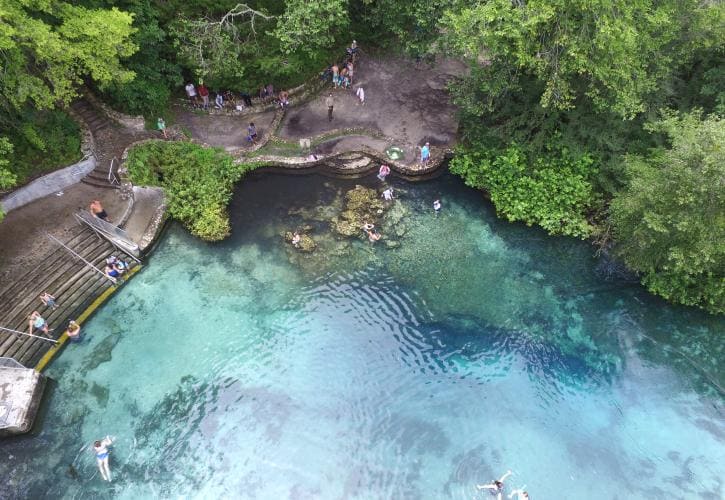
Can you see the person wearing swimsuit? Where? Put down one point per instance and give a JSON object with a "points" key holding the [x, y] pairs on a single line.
{"points": [[496, 486], [37, 322], [100, 448]]}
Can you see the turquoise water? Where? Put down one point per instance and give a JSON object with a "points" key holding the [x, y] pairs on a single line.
{"points": [[457, 347]]}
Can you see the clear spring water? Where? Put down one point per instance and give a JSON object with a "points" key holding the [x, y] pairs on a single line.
{"points": [[457, 347]]}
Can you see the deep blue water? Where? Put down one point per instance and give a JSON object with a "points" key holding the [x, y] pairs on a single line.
{"points": [[455, 348]]}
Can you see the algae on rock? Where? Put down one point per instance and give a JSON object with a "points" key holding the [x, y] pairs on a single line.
{"points": [[362, 206]]}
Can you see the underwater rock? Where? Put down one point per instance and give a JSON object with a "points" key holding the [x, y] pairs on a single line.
{"points": [[362, 205], [306, 243]]}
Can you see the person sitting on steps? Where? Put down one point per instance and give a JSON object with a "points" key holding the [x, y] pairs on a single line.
{"points": [[48, 300], [97, 209], [36, 321]]}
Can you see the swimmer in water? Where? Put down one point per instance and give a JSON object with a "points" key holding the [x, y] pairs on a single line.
{"points": [[437, 206], [368, 227], [373, 236], [496, 486], [100, 448], [296, 239]]}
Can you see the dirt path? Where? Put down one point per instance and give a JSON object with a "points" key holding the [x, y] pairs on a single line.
{"points": [[22, 233], [228, 132], [406, 102]]}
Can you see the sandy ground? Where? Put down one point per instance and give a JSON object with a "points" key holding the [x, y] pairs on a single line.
{"points": [[405, 101], [22, 232], [228, 132]]}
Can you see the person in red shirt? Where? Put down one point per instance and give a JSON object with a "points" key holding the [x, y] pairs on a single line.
{"points": [[204, 93]]}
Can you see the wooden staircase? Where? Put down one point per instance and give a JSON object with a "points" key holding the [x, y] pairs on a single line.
{"points": [[97, 121], [68, 279]]}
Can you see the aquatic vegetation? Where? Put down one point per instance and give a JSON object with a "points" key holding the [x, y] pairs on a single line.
{"points": [[362, 206]]}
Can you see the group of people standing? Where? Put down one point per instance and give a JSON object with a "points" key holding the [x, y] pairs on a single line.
{"points": [[199, 95]]}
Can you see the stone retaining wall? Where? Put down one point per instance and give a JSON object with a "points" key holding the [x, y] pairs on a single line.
{"points": [[133, 122], [48, 184]]}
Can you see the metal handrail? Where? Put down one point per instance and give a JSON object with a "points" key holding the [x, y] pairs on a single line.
{"points": [[16, 332], [112, 233], [110, 278], [112, 179]]}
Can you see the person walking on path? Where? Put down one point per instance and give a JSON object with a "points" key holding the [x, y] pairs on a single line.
{"points": [[330, 103], [161, 125], [100, 448], [425, 153], [360, 93], [252, 133]]}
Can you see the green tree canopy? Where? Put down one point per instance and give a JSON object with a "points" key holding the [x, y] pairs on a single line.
{"points": [[50, 46], [615, 52], [670, 219]]}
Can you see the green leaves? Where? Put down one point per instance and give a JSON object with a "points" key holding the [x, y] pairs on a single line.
{"points": [[615, 52], [553, 191], [308, 25], [670, 219], [198, 182], [49, 47], [7, 178]]}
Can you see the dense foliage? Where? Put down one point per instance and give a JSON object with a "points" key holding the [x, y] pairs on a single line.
{"points": [[198, 182], [554, 192], [48, 49], [589, 79], [669, 220], [560, 111]]}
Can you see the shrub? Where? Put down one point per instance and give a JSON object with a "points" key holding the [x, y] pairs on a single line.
{"points": [[669, 220], [198, 182], [42, 141], [553, 191]]}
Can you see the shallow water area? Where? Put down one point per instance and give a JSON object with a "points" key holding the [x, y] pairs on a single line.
{"points": [[456, 347]]}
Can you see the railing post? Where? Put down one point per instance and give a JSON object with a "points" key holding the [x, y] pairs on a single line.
{"points": [[111, 279]]}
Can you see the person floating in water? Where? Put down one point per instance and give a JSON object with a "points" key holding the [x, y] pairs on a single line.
{"points": [[496, 486], [373, 235], [520, 494], [437, 206], [296, 238], [100, 448], [388, 194], [383, 172]]}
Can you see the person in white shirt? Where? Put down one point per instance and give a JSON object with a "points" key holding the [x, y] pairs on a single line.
{"points": [[360, 93], [191, 93]]}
